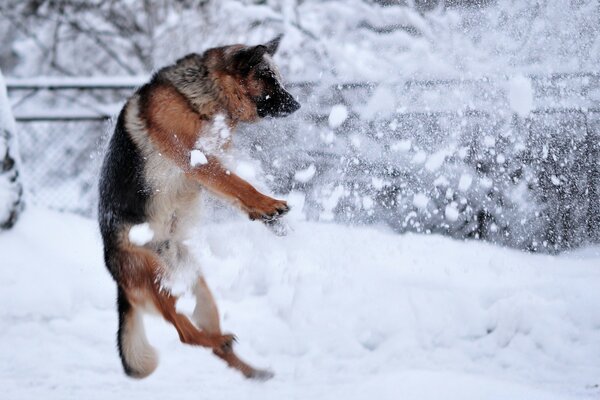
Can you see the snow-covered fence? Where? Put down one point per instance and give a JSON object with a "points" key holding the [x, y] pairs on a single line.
{"points": [[513, 161], [11, 190]]}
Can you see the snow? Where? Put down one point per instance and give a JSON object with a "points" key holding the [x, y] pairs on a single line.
{"points": [[6, 118], [197, 157], [451, 212], [337, 116], [141, 234], [382, 103], [520, 95], [336, 312], [305, 175], [401, 145], [420, 201], [465, 182], [555, 180]]}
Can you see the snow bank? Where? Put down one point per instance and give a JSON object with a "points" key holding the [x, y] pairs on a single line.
{"points": [[337, 312]]}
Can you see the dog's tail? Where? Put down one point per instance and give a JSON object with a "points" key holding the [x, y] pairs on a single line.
{"points": [[137, 355]]}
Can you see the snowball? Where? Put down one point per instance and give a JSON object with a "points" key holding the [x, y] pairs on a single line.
{"points": [[141, 234], [555, 180], [197, 158], [486, 182], [367, 202], [441, 181], [451, 212], [378, 183], [420, 201], [382, 103], [464, 182], [520, 95], [305, 175], [436, 160], [246, 170], [401, 145], [420, 157], [337, 115], [489, 141]]}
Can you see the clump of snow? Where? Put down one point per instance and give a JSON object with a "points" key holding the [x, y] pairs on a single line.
{"points": [[520, 95], [451, 212], [141, 234], [305, 175], [420, 157], [401, 145], [337, 116], [197, 157], [436, 160], [464, 183], [219, 127], [382, 103], [246, 169], [420, 201]]}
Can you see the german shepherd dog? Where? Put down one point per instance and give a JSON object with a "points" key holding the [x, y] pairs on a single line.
{"points": [[164, 150]]}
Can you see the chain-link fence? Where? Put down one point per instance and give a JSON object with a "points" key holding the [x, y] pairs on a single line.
{"points": [[61, 162]]}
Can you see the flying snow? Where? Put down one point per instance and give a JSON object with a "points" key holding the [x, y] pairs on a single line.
{"points": [[197, 158], [305, 175], [337, 116], [465, 182], [451, 212], [520, 95], [420, 201]]}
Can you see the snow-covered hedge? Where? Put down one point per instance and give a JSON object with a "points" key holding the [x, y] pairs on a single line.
{"points": [[11, 191]]}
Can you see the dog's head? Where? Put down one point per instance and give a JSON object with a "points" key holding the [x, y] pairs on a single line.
{"points": [[253, 82]]}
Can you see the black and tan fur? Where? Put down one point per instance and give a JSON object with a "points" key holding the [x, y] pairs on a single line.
{"points": [[147, 177]]}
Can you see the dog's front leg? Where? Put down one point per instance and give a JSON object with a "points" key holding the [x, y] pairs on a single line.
{"points": [[220, 180]]}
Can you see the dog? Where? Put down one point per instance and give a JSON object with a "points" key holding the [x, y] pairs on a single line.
{"points": [[165, 148]]}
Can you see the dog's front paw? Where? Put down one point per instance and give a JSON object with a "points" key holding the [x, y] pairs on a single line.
{"points": [[268, 209]]}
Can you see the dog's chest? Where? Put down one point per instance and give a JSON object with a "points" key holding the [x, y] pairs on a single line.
{"points": [[173, 197]]}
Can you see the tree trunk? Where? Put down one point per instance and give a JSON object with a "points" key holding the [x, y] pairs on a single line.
{"points": [[11, 190]]}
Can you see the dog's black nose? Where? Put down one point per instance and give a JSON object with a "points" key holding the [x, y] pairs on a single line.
{"points": [[292, 105]]}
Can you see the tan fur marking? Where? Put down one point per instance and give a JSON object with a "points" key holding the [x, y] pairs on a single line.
{"points": [[172, 125], [236, 97], [206, 313]]}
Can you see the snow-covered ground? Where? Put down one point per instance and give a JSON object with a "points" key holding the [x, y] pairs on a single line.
{"points": [[337, 312]]}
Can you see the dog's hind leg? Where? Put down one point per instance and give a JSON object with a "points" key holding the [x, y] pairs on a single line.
{"points": [[143, 289], [206, 316]]}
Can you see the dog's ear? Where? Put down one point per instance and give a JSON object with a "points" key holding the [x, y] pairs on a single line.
{"points": [[247, 58], [273, 45]]}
